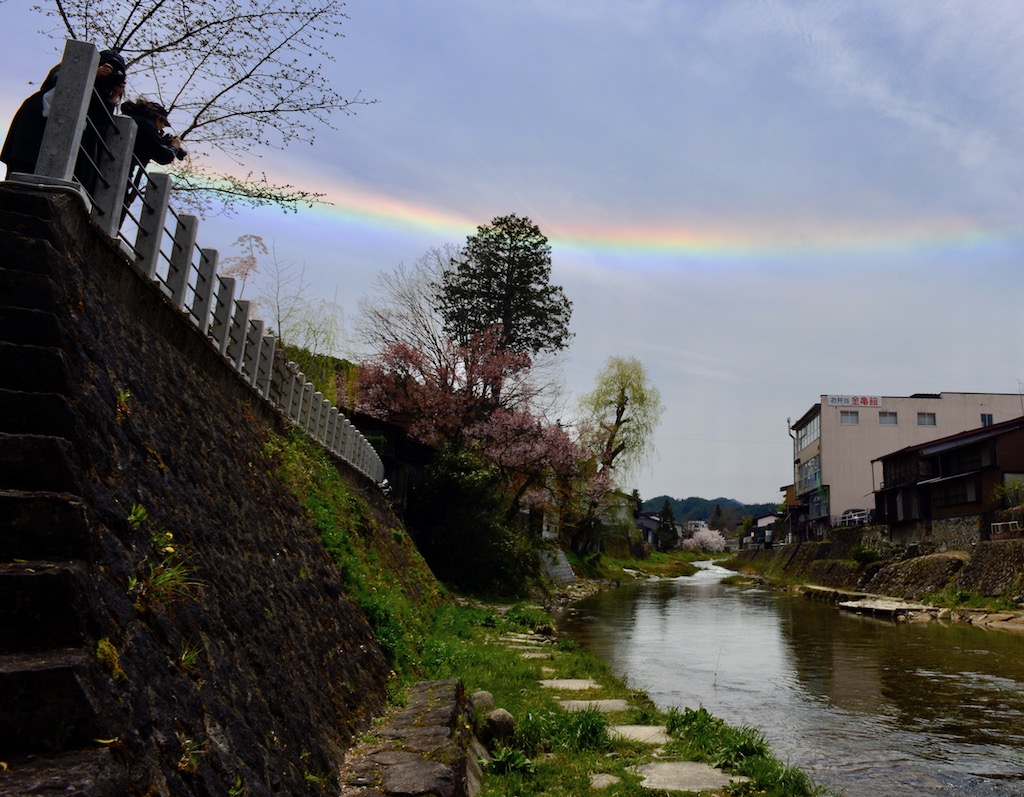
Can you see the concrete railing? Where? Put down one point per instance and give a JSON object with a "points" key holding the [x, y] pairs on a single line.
{"points": [[171, 258]]}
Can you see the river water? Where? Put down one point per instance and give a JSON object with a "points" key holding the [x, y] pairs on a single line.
{"points": [[866, 705]]}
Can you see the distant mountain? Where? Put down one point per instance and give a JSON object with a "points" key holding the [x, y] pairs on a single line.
{"points": [[684, 509]]}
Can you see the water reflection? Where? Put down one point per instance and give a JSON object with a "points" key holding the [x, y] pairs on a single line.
{"points": [[868, 705]]}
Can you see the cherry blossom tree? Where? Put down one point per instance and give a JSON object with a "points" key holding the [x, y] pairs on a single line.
{"points": [[705, 540]]}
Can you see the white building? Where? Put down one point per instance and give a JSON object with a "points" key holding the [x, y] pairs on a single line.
{"points": [[835, 441]]}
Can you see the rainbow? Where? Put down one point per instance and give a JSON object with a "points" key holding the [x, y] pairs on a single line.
{"points": [[760, 240], [373, 217]]}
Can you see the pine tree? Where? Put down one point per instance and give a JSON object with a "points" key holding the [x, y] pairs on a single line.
{"points": [[502, 280]]}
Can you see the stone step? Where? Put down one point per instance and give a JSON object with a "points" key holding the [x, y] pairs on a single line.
{"points": [[29, 237], [37, 369], [646, 734], [609, 706], [685, 776], [570, 684], [43, 526], [27, 289], [29, 327], [36, 413], [47, 705], [37, 463], [39, 607], [90, 773]]}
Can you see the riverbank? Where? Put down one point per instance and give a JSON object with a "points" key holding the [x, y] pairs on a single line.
{"points": [[578, 727], [910, 611], [982, 587]]}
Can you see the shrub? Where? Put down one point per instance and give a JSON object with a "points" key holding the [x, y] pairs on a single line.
{"points": [[864, 555]]}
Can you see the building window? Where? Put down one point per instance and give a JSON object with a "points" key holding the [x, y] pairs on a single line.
{"points": [[886, 418], [849, 417], [808, 433], [809, 474], [961, 491], [986, 419], [926, 419]]}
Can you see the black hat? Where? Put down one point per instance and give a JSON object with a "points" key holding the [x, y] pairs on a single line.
{"points": [[113, 57]]}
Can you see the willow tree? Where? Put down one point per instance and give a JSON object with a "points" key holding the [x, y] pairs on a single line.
{"points": [[619, 417], [236, 75], [623, 409]]}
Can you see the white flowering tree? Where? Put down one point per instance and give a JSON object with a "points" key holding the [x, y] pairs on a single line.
{"points": [[707, 540]]}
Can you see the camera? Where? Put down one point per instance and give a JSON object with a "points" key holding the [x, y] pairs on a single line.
{"points": [[179, 152], [113, 80]]}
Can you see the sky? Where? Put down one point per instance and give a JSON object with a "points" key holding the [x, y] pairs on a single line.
{"points": [[763, 202]]}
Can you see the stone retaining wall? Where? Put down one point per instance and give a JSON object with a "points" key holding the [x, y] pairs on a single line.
{"points": [[989, 568]]}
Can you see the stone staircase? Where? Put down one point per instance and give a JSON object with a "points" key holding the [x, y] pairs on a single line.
{"points": [[52, 685]]}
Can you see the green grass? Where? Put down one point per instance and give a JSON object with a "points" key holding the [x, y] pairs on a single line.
{"points": [[428, 635], [383, 572], [554, 752], [955, 598], [660, 564]]}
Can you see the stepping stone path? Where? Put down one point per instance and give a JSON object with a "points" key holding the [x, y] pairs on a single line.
{"points": [[685, 776], [570, 684], [531, 646], [677, 776], [648, 734], [604, 706]]}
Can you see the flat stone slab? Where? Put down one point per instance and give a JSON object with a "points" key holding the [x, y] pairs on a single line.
{"points": [[685, 776], [536, 655], [570, 684], [648, 734], [525, 639], [884, 606], [601, 780], [604, 706]]}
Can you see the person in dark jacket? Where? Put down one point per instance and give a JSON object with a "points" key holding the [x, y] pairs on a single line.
{"points": [[21, 147], [151, 142], [110, 84]]}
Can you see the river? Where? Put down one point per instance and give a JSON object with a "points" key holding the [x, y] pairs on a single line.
{"points": [[866, 705]]}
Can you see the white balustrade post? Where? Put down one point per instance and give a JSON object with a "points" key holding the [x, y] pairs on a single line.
{"points": [[69, 107], [181, 258], [151, 223], [295, 396], [314, 413], [307, 405], [251, 355], [321, 423], [264, 371], [222, 314], [339, 425], [362, 453], [350, 441], [109, 194], [203, 297], [332, 425], [237, 332]]}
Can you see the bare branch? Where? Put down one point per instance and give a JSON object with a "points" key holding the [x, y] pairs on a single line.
{"points": [[238, 75]]}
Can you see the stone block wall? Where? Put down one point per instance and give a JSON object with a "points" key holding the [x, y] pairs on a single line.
{"points": [[956, 534], [255, 679]]}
